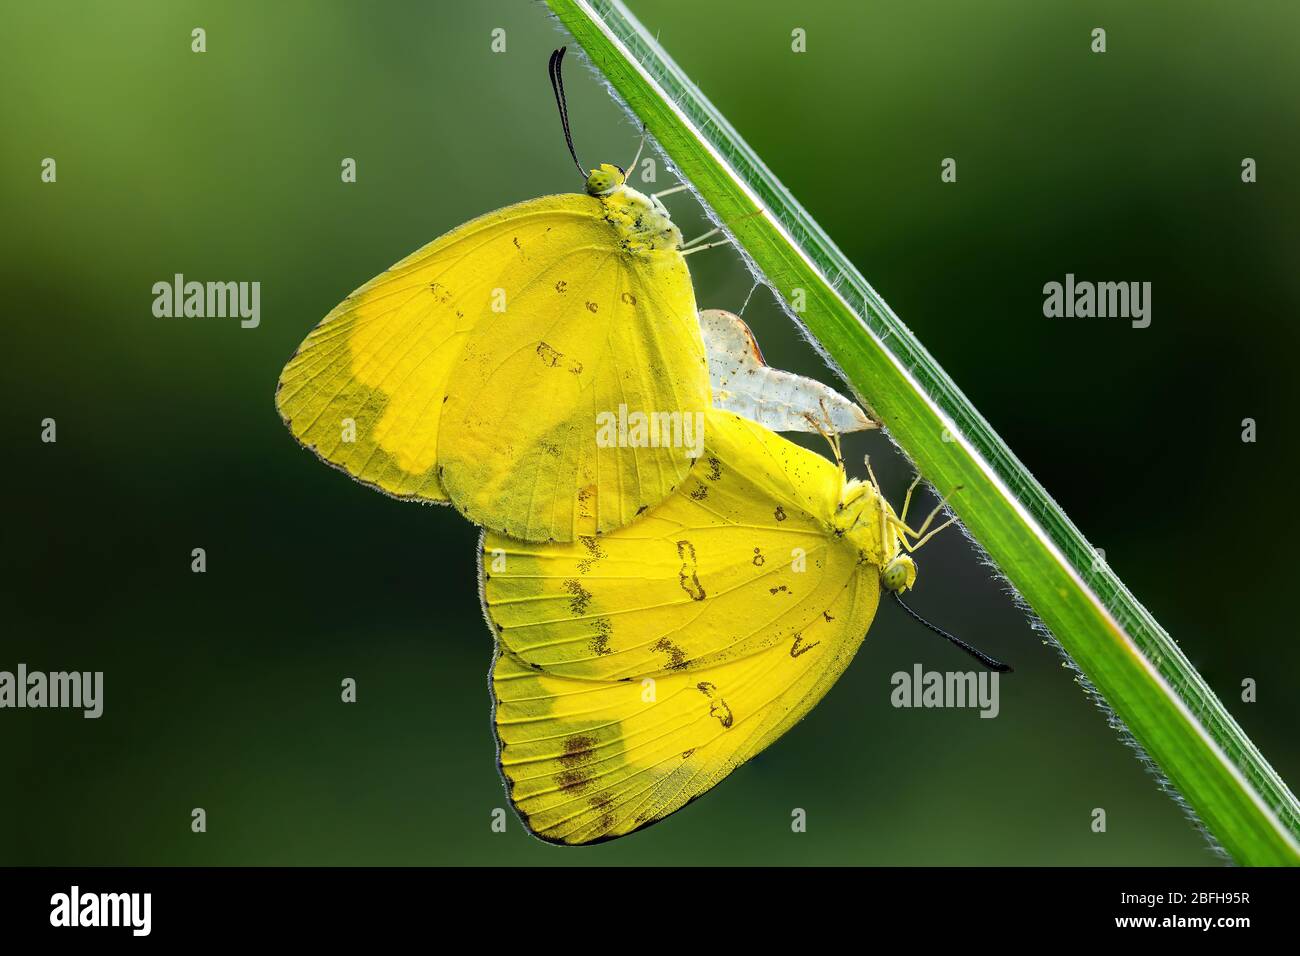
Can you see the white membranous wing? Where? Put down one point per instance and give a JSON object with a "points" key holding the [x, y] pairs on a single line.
{"points": [[782, 401]]}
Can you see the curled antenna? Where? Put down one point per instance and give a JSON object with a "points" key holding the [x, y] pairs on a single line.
{"points": [[979, 655], [553, 70]]}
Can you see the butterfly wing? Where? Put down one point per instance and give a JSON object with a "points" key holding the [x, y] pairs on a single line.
{"points": [[365, 389], [589, 331], [745, 384], [634, 671]]}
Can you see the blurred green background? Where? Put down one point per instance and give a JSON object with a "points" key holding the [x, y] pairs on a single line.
{"points": [[222, 689]]}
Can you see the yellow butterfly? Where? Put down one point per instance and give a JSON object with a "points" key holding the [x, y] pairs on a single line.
{"points": [[636, 670], [474, 370]]}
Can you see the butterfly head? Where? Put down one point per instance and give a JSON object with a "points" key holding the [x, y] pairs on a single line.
{"points": [[897, 568], [898, 574], [605, 179]]}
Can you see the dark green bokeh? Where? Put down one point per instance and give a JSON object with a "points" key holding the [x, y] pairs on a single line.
{"points": [[222, 689]]}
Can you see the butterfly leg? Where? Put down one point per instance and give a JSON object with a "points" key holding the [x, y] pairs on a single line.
{"points": [[829, 433], [692, 246], [902, 523], [921, 535], [711, 245], [916, 545], [907, 500], [680, 187], [700, 238], [871, 473]]}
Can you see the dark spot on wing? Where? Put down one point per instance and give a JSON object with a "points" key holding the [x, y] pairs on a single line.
{"points": [[676, 656], [600, 642], [720, 710], [799, 647], [581, 597], [687, 576], [578, 749], [717, 706], [594, 553], [553, 358], [573, 780], [548, 355]]}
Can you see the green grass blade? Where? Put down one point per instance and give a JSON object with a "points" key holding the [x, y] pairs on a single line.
{"points": [[1131, 662]]}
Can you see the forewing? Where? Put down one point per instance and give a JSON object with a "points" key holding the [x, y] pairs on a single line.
{"points": [[365, 390], [594, 334]]}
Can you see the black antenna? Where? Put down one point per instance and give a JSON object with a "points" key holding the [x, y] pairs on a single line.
{"points": [[979, 655], [557, 84]]}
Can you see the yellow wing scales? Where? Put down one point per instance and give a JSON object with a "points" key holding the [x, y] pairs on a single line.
{"points": [[586, 335], [365, 390], [638, 668], [474, 370], [710, 573], [586, 760]]}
